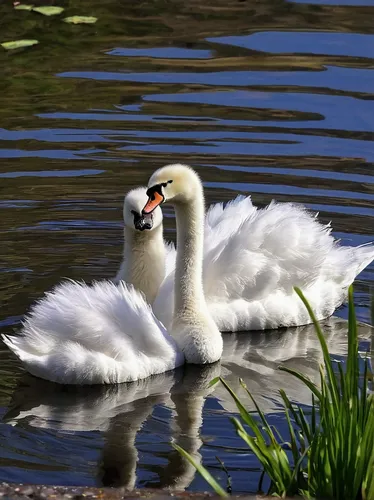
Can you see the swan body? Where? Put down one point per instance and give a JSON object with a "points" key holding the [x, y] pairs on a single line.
{"points": [[99, 334], [250, 274], [107, 333], [254, 257]]}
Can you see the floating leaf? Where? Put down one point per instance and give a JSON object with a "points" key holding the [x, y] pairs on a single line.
{"points": [[80, 20], [23, 6], [17, 44], [49, 11]]}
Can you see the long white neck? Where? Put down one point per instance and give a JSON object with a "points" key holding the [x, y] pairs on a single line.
{"points": [[144, 260], [188, 287]]}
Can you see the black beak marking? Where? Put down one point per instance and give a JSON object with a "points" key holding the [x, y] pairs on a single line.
{"points": [[142, 222]]}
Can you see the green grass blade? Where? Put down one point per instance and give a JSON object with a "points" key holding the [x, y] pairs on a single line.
{"points": [[224, 468], [260, 413], [214, 381], [294, 448], [352, 359], [298, 415], [313, 388], [202, 470], [245, 415], [326, 355]]}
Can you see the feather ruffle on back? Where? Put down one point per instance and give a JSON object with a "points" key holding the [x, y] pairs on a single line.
{"points": [[254, 257], [100, 334]]}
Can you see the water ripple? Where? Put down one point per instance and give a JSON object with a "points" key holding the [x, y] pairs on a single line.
{"points": [[328, 77], [335, 44], [275, 101]]}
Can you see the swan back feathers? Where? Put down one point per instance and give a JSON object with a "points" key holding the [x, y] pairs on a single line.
{"points": [[94, 334]]}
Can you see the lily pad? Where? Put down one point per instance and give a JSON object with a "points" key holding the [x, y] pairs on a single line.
{"points": [[80, 20], [17, 44], [23, 6], [49, 11]]}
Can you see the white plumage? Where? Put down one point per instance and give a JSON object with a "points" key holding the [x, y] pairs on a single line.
{"points": [[99, 334], [254, 257], [104, 334], [248, 263], [107, 333]]}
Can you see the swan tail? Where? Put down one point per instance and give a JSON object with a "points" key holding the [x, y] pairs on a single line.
{"points": [[70, 365], [19, 346], [28, 347], [73, 364], [349, 262], [12, 343], [364, 256]]}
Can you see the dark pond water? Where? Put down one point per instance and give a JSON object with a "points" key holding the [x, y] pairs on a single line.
{"points": [[269, 98]]}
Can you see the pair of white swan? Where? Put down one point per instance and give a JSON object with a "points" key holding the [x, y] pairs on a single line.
{"points": [[246, 267]]}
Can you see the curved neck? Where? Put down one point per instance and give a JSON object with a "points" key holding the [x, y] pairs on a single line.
{"points": [[144, 260], [188, 287], [142, 241]]}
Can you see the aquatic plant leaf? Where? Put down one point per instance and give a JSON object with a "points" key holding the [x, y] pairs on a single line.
{"points": [[49, 10], [326, 355], [23, 6], [214, 382], [80, 20], [203, 471], [17, 44]]}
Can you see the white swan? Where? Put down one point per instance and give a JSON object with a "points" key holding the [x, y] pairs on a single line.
{"points": [[146, 257], [254, 257], [78, 334]]}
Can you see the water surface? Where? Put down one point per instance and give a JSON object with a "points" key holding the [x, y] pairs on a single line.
{"points": [[272, 100]]}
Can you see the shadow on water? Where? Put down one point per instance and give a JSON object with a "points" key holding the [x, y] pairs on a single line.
{"points": [[269, 98]]}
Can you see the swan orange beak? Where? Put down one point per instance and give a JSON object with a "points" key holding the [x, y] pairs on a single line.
{"points": [[153, 202]]}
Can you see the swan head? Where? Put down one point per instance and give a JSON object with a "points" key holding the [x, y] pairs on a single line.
{"points": [[132, 211], [175, 183]]}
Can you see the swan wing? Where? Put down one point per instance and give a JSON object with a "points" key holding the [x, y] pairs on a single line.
{"points": [[254, 257], [249, 275], [99, 334]]}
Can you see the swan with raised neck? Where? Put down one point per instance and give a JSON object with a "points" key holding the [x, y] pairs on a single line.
{"points": [[193, 327], [144, 252]]}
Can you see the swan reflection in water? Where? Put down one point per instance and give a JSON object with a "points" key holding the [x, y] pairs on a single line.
{"points": [[119, 412]]}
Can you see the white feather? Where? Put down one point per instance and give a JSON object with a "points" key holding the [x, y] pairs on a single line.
{"points": [[107, 333], [100, 334], [254, 257]]}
